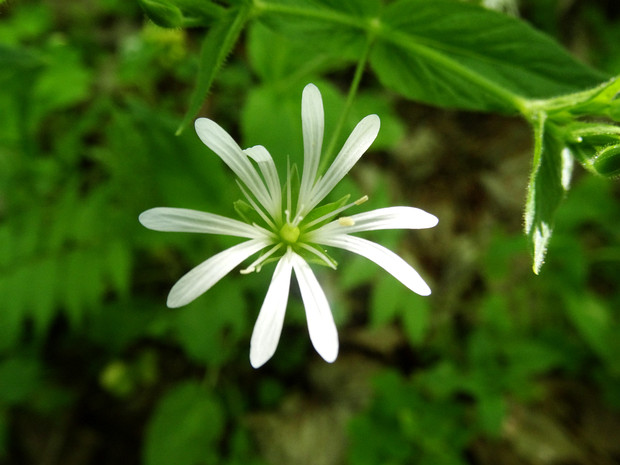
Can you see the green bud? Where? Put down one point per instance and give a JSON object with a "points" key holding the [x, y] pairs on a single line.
{"points": [[607, 162], [592, 135], [162, 13]]}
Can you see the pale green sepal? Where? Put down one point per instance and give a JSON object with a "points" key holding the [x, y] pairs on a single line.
{"points": [[247, 213], [324, 210]]}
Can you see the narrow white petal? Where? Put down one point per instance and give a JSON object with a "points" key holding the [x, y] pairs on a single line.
{"points": [[358, 142], [269, 323], [382, 218], [218, 140], [201, 278], [321, 326], [261, 155], [312, 120], [383, 257], [184, 220]]}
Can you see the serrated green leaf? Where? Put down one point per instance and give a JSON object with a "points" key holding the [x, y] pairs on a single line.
{"points": [[549, 181], [456, 54], [217, 45], [184, 428]]}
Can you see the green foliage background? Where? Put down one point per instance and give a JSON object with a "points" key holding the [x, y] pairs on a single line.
{"points": [[497, 366]]}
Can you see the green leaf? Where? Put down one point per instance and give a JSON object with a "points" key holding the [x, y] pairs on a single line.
{"points": [[593, 320], [391, 300], [210, 330], [217, 45], [491, 411], [184, 428], [19, 379], [164, 14], [65, 81], [549, 181], [416, 318], [384, 304], [454, 54], [332, 26], [181, 13], [280, 61], [118, 261]]}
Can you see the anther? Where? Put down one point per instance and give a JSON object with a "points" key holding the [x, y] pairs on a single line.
{"points": [[361, 200]]}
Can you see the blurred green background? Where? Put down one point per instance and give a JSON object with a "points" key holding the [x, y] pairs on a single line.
{"points": [[498, 366]]}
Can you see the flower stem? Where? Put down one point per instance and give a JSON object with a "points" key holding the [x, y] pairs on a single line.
{"points": [[357, 77]]}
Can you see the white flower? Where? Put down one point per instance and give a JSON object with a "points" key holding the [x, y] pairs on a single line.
{"points": [[290, 234]]}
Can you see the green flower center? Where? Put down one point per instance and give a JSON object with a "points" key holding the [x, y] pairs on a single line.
{"points": [[289, 233]]}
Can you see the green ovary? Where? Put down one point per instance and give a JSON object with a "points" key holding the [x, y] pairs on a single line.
{"points": [[289, 233]]}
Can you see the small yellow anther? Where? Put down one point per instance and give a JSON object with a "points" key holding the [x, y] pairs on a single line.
{"points": [[346, 221], [361, 200]]}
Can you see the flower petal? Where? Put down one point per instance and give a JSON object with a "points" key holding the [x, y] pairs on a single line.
{"points": [[184, 220], [383, 257], [321, 326], [358, 142], [270, 319], [313, 122], [261, 155], [201, 278], [218, 140], [382, 218]]}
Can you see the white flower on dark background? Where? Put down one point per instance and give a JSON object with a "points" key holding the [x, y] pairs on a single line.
{"points": [[287, 225]]}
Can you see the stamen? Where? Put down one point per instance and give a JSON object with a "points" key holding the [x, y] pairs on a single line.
{"points": [[361, 200], [256, 264], [346, 221], [298, 218], [335, 212]]}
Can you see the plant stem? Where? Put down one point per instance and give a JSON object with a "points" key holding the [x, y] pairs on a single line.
{"points": [[357, 77]]}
